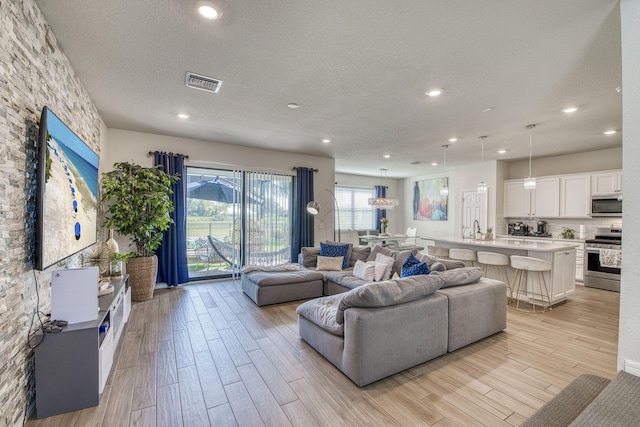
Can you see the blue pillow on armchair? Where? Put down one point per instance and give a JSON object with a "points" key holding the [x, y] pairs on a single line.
{"points": [[333, 250], [413, 267]]}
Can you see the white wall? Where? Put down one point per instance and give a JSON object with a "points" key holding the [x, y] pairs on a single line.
{"points": [[460, 179], [629, 338], [130, 146], [429, 228], [572, 163]]}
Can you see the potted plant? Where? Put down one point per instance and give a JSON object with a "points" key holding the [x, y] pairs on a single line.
{"points": [[138, 206], [567, 233], [489, 234]]}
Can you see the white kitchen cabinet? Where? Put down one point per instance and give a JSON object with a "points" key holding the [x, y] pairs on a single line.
{"points": [[563, 279], [517, 200], [543, 202], [605, 183], [575, 196]]}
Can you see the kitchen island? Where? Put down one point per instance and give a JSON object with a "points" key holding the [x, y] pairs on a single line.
{"points": [[560, 280]]}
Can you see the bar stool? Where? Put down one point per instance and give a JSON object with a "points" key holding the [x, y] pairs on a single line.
{"points": [[492, 261], [468, 256], [538, 293], [438, 252]]}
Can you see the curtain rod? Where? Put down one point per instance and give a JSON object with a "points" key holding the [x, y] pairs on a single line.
{"points": [[151, 153], [295, 168]]}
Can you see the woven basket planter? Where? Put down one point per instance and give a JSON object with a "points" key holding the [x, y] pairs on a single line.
{"points": [[142, 277]]}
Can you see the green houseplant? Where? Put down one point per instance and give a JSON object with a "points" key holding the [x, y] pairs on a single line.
{"points": [[567, 233], [138, 205]]}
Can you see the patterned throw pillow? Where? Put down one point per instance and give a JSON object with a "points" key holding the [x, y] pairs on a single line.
{"points": [[331, 250], [413, 267]]}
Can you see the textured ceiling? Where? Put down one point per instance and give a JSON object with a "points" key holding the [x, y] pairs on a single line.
{"points": [[359, 70]]}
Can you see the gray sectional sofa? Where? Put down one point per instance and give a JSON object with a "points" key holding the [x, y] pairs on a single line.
{"points": [[377, 329], [336, 282]]}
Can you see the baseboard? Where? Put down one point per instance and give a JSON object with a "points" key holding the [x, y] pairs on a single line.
{"points": [[632, 367]]}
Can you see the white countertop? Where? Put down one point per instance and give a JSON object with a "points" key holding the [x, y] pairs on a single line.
{"points": [[538, 245]]}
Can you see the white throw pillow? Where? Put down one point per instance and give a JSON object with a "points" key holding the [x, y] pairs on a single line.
{"points": [[379, 269], [388, 262], [364, 271], [329, 263]]}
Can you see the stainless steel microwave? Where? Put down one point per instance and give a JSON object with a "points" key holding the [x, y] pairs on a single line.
{"points": [[606, 205]]}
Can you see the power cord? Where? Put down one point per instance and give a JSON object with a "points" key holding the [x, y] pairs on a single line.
{"points": [[39, 313], [33, 334]]}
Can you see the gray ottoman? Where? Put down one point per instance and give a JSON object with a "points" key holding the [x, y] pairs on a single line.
{"points": [[272, 287], [475, 311]]}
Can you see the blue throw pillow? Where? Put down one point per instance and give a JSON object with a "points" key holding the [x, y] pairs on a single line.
{"points": [[327, 249], [413, 267]]}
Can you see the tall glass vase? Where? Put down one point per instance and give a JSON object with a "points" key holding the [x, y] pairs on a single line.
{"points": [[115, 266]]}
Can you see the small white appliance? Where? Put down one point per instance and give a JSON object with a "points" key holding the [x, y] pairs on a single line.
{"points": [[74, 294]]}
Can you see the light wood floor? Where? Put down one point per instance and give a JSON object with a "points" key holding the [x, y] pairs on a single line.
{"points": [[206, 355]]}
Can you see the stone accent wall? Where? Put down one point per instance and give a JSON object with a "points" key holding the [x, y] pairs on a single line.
{"points": [[34, 72]]}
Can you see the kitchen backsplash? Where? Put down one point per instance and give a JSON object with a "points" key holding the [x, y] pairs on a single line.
{"points": [[556, 225]]}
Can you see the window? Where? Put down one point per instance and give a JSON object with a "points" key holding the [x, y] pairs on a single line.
{"points": [[355, 212]]}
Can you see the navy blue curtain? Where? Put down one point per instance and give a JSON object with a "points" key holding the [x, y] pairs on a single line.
{"points": [[302, 220], [381, 191], [172, 254]]}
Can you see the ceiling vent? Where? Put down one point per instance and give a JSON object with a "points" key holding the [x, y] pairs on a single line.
{"points": [[205, 83]]}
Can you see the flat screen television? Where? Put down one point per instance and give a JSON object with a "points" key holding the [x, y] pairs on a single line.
{"points": [[67, 198]]}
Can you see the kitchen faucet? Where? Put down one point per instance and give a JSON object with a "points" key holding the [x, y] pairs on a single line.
{"points": [[476, 226]]}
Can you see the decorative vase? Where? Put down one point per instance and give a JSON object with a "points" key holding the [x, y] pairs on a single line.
{"points": [[115, 266], [142, 277], [384, 228]]}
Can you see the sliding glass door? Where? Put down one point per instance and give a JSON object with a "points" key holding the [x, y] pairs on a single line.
{"points": [[268, 219], [236, 218]]}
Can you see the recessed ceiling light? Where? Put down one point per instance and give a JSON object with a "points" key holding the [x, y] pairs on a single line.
{"points": [[326, 140], [182, 115], [293, 105], [453, 139], [386, 156], [208, 10], [486, 110], [435, 92], [609, 132], [502, 151], [570, 109], [434, 163]]}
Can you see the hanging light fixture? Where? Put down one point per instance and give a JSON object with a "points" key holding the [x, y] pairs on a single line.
{"points": [[482, 186], [383, 202], [444, 190], [530, 182]]}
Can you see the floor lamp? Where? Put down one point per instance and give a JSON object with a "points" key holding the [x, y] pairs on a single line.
{"points": [[313, 208]]}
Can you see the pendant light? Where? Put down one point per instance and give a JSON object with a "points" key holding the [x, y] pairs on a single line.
{"points": [[530, 182], [383, 202], [444, 190], [482, 186]]}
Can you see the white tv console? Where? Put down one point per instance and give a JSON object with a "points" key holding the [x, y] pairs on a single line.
{"points": [[72, 366]]}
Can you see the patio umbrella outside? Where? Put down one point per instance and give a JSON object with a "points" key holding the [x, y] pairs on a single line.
{"points": [[217, 190]]}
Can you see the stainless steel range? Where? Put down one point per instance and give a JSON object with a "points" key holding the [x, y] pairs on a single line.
{"points": [[603, 259]]}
